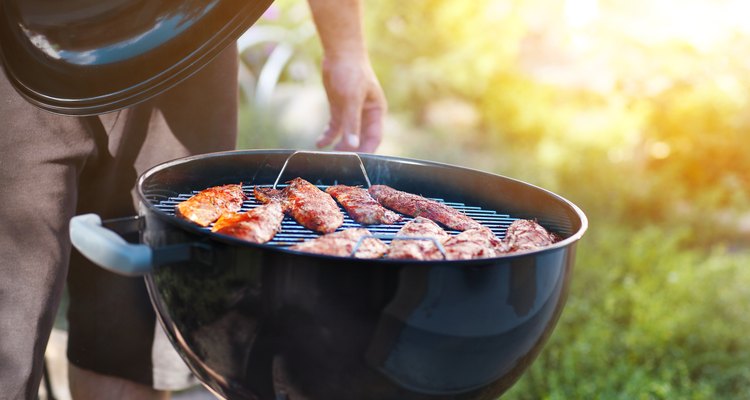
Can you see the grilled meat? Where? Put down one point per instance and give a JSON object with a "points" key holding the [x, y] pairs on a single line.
{"points": [[342, 244], [361, 206], [308, 205], [524, 234], [423, 247], [313, 208], [474, 243], [258, 225], [266, 195], [418, 206], [208, 205]]}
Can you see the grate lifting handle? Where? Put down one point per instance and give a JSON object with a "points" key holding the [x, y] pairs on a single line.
{"points": [[396, 237], [324, 153]]}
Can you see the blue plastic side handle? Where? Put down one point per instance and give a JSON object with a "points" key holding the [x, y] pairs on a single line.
{"points": [[107, 249]]}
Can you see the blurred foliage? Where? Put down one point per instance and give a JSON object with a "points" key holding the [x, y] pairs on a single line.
{"points": [[649, 138], [280, 51], [648, 319]]}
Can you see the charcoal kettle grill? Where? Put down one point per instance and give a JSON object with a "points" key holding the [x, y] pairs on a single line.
{"points": [[262, 321]]}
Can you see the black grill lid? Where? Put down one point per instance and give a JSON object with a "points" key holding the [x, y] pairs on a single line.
{"points": [[84, 57]]}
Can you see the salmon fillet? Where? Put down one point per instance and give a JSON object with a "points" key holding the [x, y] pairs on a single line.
{"points": [[342, 244], [208, 205], [258, 225], [361, 206], [524, 234], [418, 249], [309, 206], [418, 206]]}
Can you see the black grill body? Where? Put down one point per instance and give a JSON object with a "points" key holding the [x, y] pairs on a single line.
{"points": [[263, 322]]}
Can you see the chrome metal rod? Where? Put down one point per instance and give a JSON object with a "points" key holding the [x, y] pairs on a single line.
{"points": [[334, 153], [396, 237]]}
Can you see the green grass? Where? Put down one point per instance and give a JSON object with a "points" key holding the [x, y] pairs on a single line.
{"points": [[648, 318]]}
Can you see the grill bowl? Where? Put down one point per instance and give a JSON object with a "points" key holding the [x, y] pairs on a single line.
{"points": [[262, 321]]}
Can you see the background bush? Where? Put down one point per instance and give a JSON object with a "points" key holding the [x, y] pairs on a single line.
{"points": [[650, 138]]}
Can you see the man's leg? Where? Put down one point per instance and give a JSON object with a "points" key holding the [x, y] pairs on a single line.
{"points": [[87, 385], [40, 157], [113, 331]]}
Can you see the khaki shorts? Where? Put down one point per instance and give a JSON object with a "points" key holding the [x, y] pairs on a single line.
{"points": [[53, 167]]}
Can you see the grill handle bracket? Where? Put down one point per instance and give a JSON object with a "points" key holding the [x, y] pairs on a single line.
{"points": [[107, 249], [325, 153], [103, 244]]}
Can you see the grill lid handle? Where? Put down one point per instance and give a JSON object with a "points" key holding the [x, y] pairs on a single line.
{"points": [[107, 249]]}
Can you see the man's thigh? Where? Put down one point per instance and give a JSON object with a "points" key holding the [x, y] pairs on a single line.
{"points": [[113, 328], [40, 157]]}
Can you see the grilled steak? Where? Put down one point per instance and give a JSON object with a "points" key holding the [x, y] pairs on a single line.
{"points": [[474, 243], [422, 247], [418, 206], [308, 205], [342, 244], [524, 234], [208, 205], [258, 225], [361, 206]]}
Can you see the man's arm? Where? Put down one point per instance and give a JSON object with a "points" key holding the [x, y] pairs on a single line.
{"points": [[357, 102]]}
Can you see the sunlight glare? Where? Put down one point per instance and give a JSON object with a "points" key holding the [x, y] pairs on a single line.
{"points": [[659, 150], [579, 13]]}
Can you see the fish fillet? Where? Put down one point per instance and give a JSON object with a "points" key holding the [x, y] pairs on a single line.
{"points": [[309, 206], [258, 225], [361, 206], [425, 233], [342, 244], [208, 205], [474, 243], [418, 206], [524, 234]]}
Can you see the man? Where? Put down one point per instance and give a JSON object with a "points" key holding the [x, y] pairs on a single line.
{"points": [[53, 167]]}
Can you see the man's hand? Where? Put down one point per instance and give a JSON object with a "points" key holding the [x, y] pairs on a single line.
{"points": [[357, 105], [356, 99]]}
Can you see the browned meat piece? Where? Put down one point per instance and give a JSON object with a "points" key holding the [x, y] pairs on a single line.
{"points": [[524, 234], [267, 195], [418, 249], [258, 225], [311, 207], [361, 206], [474, 243], [342, 244], [209, 204], [418, 206]]}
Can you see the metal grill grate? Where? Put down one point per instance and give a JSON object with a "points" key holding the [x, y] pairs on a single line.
{"points": [[292, 232]]}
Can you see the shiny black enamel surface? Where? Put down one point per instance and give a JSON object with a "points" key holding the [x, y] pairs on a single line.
{"points": [[253, 321], [85, 57]]}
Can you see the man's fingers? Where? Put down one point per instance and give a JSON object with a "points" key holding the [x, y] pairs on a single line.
{"points": [[328, 137], [357, 106], [348, 142], [372, 129], [351, 119]]}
